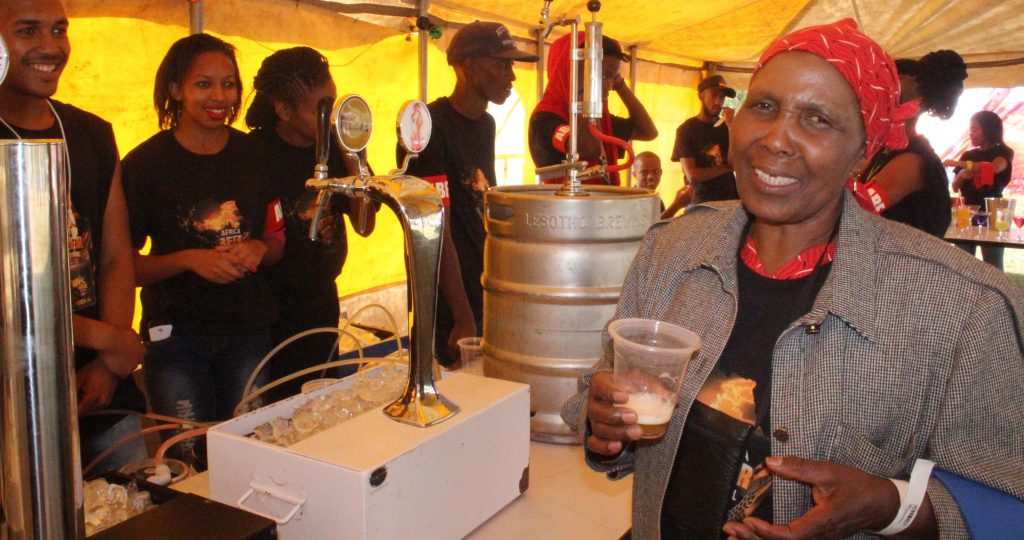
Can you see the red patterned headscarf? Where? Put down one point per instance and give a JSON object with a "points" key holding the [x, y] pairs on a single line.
{"points": [[868, 70]]}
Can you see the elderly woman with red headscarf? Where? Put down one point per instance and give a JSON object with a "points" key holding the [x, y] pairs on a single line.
{"points": [[549, 123], [874, 351]]}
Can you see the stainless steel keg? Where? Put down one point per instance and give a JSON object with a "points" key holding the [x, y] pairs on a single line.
{"points": [[553, 269]]}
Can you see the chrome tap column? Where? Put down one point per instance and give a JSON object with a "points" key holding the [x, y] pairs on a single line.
{"points": [[42, 493], [419, 210]]}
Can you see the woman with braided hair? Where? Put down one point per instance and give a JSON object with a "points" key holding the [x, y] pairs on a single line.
{"points": [[880, 365], [283, 117], [910, 185]]}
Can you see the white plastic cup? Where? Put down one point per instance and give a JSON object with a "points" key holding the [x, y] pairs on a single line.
{"points": [[650, 362], [472, 354]]}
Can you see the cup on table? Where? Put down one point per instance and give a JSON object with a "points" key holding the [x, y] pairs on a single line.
{"points": [[981, 221], [1001, 219], [954, 205], [962, 218], [471, 352], [649, 364]]}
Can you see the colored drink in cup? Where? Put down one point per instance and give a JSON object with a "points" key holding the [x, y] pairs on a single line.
{"points": [[980, 220], [649, 364], [1001, 221], [963, 217]]}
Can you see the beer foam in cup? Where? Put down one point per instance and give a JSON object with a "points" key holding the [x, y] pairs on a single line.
{"points": [[651, 408]]}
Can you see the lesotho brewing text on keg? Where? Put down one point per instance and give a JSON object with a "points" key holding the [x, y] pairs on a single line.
{"points": [[568, 222]]}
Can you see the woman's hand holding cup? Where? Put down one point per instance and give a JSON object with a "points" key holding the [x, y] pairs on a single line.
{"points": [[611, 424]]}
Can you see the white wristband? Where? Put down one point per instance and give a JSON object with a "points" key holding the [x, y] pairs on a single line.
{"points": [[911, 495]]}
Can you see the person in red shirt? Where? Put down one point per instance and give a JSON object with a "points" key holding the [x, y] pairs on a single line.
{"points": [[549, 123]]}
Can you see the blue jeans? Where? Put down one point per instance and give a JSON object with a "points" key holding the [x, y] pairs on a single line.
{"points": [[201, 378], [132, 451], [990, 254]]}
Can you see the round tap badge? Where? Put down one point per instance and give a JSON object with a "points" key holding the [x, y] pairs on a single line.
{"points": [[353, 122], [414, 126], [5, 60]]}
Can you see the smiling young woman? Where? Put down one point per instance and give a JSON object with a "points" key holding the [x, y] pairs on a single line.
{"points": [[199, 191]]}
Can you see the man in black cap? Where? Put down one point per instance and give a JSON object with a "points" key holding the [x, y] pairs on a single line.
{"points": [[702, 144], [459, 161]]}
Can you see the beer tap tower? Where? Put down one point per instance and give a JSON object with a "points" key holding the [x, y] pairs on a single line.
{"points": [[371, 477], [419, 209], [42, 474]]}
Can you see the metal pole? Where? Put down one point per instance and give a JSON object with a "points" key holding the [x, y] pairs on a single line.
{"points": [[572, 183], [632, 86], [195, 16], [541, 62], [424, 37], [42, 484], [632, 67]]}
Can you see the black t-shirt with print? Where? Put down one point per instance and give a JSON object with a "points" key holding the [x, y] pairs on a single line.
{"points": [[463, 150], [183, 200], [304, 278], [765, 308], [93, 155], [93, 152], [707, 146], [977, 196], [542, 130]]}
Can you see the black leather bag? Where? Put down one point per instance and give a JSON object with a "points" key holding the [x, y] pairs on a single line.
{"points": [[701, 488]]}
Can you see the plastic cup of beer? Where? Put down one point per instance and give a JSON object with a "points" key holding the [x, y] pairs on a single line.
{"points": [[649, 364]]}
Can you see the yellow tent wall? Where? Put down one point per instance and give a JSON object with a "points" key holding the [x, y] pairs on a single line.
{"points": [[117, 46]]}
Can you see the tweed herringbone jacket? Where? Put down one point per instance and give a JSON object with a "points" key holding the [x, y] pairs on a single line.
{"points": [[912, 349]]}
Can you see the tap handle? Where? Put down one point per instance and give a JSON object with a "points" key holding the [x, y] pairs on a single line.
{"points": [[322, 200], [323, 132]]}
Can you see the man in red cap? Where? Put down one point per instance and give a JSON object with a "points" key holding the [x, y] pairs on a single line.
{"points": [[702, 144], [459, 161]]}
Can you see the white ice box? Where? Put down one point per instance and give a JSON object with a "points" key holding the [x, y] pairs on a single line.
{"points": [[374, 478]]}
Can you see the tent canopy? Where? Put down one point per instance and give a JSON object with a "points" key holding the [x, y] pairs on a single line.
{"points": [[731, 34], [373, 50]]}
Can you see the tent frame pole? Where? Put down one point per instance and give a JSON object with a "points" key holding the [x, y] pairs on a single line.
{"points": [[542, 52], [195, 16], [632, 86], [424, 36]]}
